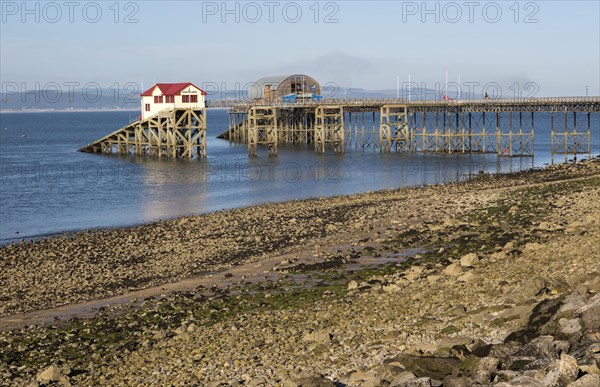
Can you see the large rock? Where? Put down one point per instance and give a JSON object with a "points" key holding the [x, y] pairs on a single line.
{"points": [[505, 376], [401, 379], [419, 382], [558, 286], [356, 377], [522, 381], [390, 372], [414, 273], [591, 369], [534, 287], [499, 255], [590, 313], [310, 380], [586, 381], [431, 367], [457, 381], [467, 277], [331, 227], [562, 372], [569, 326], [50, 374], [485, 369], [540, 316], [469, 260], [593, 281], [572, 302], [541, 349], [453, 270]]}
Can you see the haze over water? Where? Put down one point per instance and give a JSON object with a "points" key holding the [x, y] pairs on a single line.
{"points": [[48, 187]]}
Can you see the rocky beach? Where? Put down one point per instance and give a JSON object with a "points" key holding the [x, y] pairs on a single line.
{"points": [[491, 281]]}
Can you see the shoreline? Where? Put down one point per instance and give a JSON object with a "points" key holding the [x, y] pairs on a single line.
{"points": [[76, 231], [80, 110], [67, 111]]}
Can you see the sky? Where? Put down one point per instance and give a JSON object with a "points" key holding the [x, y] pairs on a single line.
{"points": [[525, 48]]}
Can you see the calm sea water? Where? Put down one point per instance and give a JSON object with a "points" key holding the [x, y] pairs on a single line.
{"points": [[48, 187]]}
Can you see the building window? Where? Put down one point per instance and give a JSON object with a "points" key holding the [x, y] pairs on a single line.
{"points": [[158, 99], [147, 107], [170, 99], [185, 98], [194, 98]]}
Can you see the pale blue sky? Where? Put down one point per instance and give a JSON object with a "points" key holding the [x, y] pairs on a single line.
{"points": [[368, 46]]}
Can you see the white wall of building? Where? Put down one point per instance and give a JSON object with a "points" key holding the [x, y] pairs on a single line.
{"points": [[189, 91], [155, 108]]}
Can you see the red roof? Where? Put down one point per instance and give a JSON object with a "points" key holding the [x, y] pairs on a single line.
{"points": [[170, 88]]}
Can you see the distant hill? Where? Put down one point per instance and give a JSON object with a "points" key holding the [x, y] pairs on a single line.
{"points": [[104, 99]]}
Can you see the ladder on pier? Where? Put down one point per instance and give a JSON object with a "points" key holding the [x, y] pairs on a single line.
{"points": [[120, 139]]}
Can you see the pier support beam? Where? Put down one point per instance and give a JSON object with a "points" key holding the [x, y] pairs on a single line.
{"points": [[175, 133], [262, 129], [575, 139], [428, 126], [329, 128], [393, 129]]}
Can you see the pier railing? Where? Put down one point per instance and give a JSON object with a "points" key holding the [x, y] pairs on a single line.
{"points": [[244, 103]]}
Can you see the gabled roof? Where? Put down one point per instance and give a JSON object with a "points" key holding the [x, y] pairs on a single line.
{"points": [[170, 88]]}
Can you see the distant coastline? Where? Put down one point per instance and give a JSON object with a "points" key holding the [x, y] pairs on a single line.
{"points": [[65, 110], [81, 110]]}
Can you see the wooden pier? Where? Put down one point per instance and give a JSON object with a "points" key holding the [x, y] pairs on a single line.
{"points": [[173, 133], [505, 127]]}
